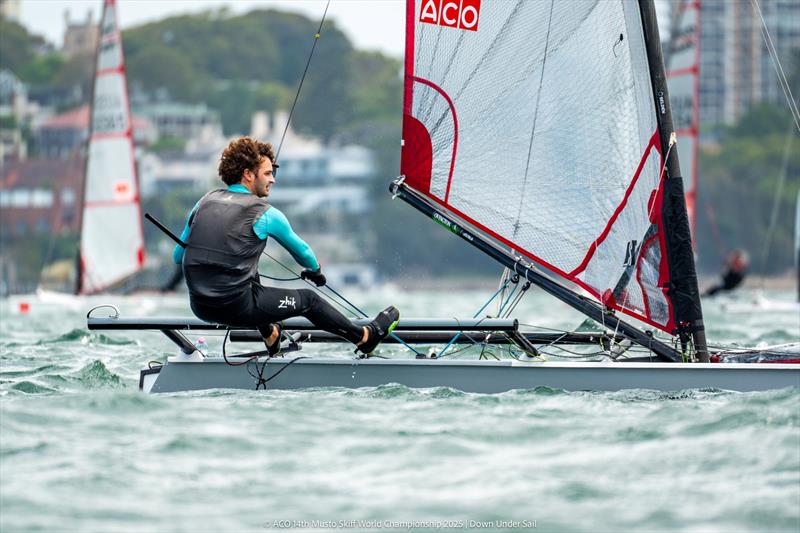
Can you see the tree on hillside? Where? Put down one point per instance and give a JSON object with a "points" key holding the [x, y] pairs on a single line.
{"points": [[738, 183], [17, 46], [156, 68], [326, 102], [246, 63]]}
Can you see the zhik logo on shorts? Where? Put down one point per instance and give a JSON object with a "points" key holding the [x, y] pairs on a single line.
{"points": [[286, 302]]}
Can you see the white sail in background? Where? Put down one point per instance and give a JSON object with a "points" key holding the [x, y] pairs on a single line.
{"points": [[683, 73], [112, 240], [535, 122]]}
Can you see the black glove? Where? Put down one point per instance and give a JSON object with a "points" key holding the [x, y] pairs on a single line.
{"points": [[314, 276]]}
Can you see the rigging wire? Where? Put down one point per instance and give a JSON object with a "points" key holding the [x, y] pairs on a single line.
{"points": [[357, 313], [776, 202], [302, 79], [354, 310], [484, 306], [776, 62]]}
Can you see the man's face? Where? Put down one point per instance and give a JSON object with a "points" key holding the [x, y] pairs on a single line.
{"points": [[263, 179]]}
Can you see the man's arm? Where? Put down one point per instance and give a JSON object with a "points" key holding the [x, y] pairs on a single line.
{"points": [[274, 224], [177, 252]]}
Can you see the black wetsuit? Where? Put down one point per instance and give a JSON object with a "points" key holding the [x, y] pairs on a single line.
{"points": [[730, 280], [220, 264]]}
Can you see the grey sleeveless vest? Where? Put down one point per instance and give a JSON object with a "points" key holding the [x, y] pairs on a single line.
{"points": [[222, 251]]}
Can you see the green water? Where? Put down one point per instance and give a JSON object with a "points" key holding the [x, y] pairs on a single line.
{"points": [[82, 450]]}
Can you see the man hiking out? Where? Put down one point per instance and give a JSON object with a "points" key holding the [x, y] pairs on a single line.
{"points": [[227, 231], [733, 273]]}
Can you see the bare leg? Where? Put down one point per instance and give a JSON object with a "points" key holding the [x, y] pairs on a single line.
{"points": [[273, 336]]}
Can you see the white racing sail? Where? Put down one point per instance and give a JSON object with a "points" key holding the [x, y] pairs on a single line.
{"points": [[112, 237], [537, 123], [683, 72]]}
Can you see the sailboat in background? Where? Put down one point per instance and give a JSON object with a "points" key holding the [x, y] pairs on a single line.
{"points": [[572, 185], [111, 232], [111, 245], [683, 75]]}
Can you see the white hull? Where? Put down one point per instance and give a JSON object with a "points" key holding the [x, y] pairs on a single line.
{"points": [[468, 376]]}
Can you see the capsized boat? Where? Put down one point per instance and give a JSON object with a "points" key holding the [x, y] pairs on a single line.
{"points": [[541, 134]]}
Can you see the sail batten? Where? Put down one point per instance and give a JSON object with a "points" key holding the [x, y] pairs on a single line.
{"points": [[539, 129], [112, 237]]}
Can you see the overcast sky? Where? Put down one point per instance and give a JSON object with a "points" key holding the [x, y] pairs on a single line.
{"points": [[371, 24]]}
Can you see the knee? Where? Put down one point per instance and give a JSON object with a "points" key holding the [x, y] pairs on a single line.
{"points": [[310, 299], [307, 295]]}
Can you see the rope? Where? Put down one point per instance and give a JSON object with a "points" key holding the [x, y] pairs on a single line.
{"points": [[776, 204], [498, 291], [518, 299], [259, 370], [358, 312], [277, 279], [776, 62], [478, 312], [302, 79], [260, 381]]}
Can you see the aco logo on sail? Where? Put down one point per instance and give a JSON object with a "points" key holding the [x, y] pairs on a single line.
{"points": [[461, 14]]}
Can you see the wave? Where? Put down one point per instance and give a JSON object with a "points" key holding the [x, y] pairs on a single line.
{"points": [[86, 337], [30, 387], [95, 375]]}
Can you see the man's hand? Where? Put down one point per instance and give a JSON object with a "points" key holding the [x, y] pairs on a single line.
{"points": [[314, 276]]}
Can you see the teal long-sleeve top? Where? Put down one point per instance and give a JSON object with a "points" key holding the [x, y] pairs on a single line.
{"points": [[272, 223]]}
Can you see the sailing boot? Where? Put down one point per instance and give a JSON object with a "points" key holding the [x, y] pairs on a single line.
{"points": [[275, 349], [379, 329]]}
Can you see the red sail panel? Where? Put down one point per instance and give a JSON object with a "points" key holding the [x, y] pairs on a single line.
{"points": [[535, 123], [683, 75]]}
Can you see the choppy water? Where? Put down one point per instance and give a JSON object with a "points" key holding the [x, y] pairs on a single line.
{"points": [[82, 450]]}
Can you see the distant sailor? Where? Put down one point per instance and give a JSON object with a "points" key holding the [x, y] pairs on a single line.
{"points": [[226, 233], [733, 273]]}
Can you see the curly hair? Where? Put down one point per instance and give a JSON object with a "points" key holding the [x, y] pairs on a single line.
{"points": [[240, 155]]}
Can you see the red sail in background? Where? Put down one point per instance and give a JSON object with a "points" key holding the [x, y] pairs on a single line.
{"points": [[683, 75]]}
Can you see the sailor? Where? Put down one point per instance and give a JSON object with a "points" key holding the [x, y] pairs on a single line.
{"points": [[226, 232], [733, 273]]}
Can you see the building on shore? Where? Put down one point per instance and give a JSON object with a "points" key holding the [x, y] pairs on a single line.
{"points": [[736, 69], [80, 37], [40, 196], [63, 134]]}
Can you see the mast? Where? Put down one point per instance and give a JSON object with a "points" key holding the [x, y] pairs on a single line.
{"points": [[682, 274]]}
